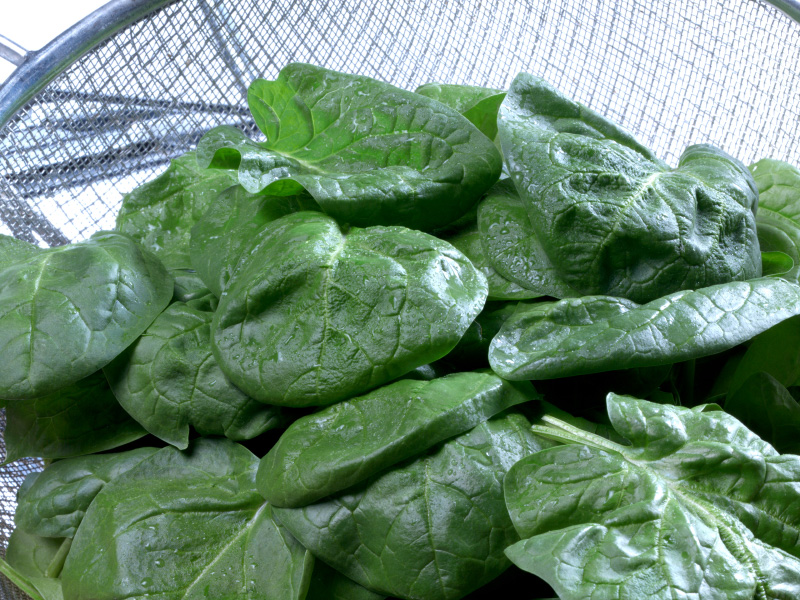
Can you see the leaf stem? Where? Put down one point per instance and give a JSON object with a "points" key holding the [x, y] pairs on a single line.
{"points": [[561, 431]]}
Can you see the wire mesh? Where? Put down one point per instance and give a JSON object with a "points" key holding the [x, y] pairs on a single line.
{"points": [[674, 73]]}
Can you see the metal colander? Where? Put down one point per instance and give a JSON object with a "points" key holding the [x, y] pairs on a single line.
{"points": [[106, 105]]}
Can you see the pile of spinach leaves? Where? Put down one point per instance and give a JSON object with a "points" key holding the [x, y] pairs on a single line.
{"points": [[303, 366]]}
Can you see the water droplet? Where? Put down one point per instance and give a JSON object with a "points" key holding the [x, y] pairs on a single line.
{"points": [[146, 582]]}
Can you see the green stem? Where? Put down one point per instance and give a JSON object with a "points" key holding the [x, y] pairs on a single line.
{"points": [[561, 431], [54, 568], [19, 580]]}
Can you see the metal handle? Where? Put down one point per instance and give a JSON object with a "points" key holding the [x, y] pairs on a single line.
{"points": [[12, 52]]}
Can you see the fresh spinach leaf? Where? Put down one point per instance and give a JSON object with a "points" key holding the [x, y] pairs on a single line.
{"points": [[33, 563], [611, 217], [478, 104], [778, 216], [340, 446], [66, 312], [697, 505], [472, 350], [190, 287], [82, 418], [186, 525], [160, 213], [169, 381], [368, 152], [52, 502], [328, 584], [767, 353], [433, 528], [315, 315], [229, 226], [591, 334], [775, 263]]}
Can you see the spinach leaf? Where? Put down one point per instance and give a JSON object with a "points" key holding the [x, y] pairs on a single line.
{"points": [[696, 506], [775, 263], [472, 350], [339, 446], [314, 315], [13, 250], [510, 243], [778, 216], [767, 407], [767, 353], [190, 287], [329, 584], [613, 219], [82, 418], [432, 528], [160, 214], [33, 563], [229, 226], [65, 312], [52, 503], [478, 104], [592, 334], [168, 380], [186, 525], [368, 152]]}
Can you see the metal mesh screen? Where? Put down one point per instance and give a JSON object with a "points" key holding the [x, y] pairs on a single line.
{"points": [[725, 72]]}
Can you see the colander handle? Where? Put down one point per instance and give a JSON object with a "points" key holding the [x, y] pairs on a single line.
{"points": [[12, 52]]}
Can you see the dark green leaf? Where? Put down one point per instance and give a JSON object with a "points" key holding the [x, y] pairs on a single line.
{"points": [[189, 288], [342, 445], [472, 350], [160, 214], [368, 152], [433, 528], [771, 352], [229, 226], [696, 506], [313, 315], [52, 503], [186, 525], [329, 584], [65, 312], [168, 380], [82, 418], [478, 104], [577, 336], [614, 220]]}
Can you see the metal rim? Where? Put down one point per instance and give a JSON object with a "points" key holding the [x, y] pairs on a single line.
{"points": [[42, 66], [790, 7]]}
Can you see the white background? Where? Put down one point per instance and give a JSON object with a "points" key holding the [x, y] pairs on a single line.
{"points": [[33, 23]]}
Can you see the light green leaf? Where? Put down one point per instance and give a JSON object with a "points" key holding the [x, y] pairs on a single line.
{"points": [[577, 336], [368, 152], [65, 312], [774, 264], [315, 315], [342, 445], [613, 219], [478, 104]]}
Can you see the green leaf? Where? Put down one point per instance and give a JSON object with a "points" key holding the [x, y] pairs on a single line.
{"points": [[52, 503], [169, 381], [774, 264], [468, 241], [368, 152], [186, 525], [65, 312], [614, 220], [13, 250], [189, 287], [82, 418], [228, 227], [768, 353], [478, 104], [160, 214], [592, 334], [511, 246], [767, 407], [433, 528], [472, 350], [342, 445], [697, 506], [778, 215], [314, 315], [329, 584], [31, 554]]}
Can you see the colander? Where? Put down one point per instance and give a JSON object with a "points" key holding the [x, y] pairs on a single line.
{"points": [[107, 104]]}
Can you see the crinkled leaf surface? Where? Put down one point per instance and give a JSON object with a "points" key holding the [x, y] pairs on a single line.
{"points": [[169, 380], [767, 407], [696, 507], [228, 227], [778, 215], [576, 336], [314, 315], [478, 104], [328, 584], [511, 246], [13, 250], [342, 445], [82, 418], [65, 312], [432, 528], [468, 241], [612, 218], [160, 214], [368, 152], [52, 503], [186, 525]]}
